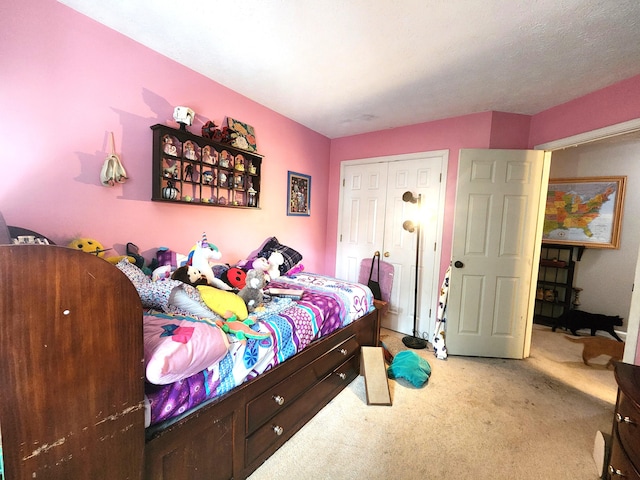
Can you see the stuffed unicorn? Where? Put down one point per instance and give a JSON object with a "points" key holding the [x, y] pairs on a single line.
{"points": [[202, 256]]}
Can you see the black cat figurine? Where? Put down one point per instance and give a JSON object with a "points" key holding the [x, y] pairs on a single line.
{"points": [[577, 319]]}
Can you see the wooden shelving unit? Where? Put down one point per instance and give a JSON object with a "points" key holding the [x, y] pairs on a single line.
{"points": [[555, 284], [194, 170]]}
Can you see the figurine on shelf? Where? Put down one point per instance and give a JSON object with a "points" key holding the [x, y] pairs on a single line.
{"points": [[188, 172], [170, 172], [223, 135], [252, 196], [189, 151], [223, 179], [252, 168], [208, 129], [170, 192], [207, 157], [207, 177], [224, 159], [169, 147], [238, 181]]}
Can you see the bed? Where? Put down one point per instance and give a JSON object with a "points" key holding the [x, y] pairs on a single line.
{"points": [[74, 402]]}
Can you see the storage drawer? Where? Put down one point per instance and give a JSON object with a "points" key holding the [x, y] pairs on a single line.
{"points": [[620, 467], [627, 420], [280, 395], [282, 426]]}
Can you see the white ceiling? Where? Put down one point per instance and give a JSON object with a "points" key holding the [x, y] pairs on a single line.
{"points": [[343, 67]]}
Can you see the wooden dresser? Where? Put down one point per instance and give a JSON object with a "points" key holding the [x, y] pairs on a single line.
{"points": [[624, 461]]}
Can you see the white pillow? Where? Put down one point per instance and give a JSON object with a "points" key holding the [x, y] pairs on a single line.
{"points": [[186, 300]]}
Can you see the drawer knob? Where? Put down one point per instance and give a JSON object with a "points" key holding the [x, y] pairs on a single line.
{"points": [[277, 429], [616, 472], [344, 351], [278, 399], [621, 419], [342, 376]]}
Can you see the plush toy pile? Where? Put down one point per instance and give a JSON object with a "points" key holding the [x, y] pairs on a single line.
{"points": [[228, 295]]}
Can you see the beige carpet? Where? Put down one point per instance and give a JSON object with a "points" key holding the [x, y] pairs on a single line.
{"points": [[476, 419]]}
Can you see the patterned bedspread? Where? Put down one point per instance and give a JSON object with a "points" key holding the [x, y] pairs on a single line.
{"points": [[327, 304]]}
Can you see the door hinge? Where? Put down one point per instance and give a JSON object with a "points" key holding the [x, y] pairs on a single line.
{"points": [[429, 313], [435, 246], [341, 237], [343, 182], [440, 177]]}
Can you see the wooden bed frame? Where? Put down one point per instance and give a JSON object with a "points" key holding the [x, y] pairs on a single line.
{"points": [[72, 378]]}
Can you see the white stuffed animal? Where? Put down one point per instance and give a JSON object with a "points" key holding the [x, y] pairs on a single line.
{"points": [[202, 256], [275, 260], [261, 264]]}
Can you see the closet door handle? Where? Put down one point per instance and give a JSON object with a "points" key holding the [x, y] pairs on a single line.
{"points": [[458, 264], [386, 254]]}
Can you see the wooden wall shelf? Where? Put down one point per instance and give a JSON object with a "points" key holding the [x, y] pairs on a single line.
{"points": [[195, 170]]}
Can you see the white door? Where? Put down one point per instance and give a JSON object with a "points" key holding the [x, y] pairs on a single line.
{"points": [[496, 245], [372, 214], [361, 229]]}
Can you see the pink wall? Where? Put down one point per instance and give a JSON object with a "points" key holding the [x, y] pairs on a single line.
{"points": [[481, 130], [509, 130], [67, 81], [615, 104]]}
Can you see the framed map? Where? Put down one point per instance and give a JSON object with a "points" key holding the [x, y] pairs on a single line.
{"points": [[584, 211]]}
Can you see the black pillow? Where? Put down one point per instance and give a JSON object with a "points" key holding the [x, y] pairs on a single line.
{"points": [[291, 257]]}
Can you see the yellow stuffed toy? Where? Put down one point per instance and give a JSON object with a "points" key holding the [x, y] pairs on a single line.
{"points": [[94, 247], [223, 303], [233, 310]]}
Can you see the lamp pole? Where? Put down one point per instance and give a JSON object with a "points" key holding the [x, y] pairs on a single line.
{"points": [[414, 341]]}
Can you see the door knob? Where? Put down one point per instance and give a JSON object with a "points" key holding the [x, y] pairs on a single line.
{"points": [[386, 254], [458, 264]]}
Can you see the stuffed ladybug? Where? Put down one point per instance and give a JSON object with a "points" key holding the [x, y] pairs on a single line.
{"points": [[235, 277]]}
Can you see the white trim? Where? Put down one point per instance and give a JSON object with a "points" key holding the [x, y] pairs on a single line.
{"points": [[395, 158], [592, 136], [633, 325]]}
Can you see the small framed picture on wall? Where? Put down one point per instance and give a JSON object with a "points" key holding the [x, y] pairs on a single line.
{"points": [[299, 194]]}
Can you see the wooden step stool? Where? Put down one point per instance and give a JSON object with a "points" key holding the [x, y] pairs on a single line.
{"points": [[375, 376]]}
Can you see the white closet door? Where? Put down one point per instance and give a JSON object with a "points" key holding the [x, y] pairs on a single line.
{"points": [[419, 176], [364, 197], [371, 217]]}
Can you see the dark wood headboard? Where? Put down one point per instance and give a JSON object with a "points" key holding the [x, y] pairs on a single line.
{"points": [[71, 366]]}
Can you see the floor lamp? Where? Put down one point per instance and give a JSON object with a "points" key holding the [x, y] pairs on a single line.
{"points": [[413, 341]]}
